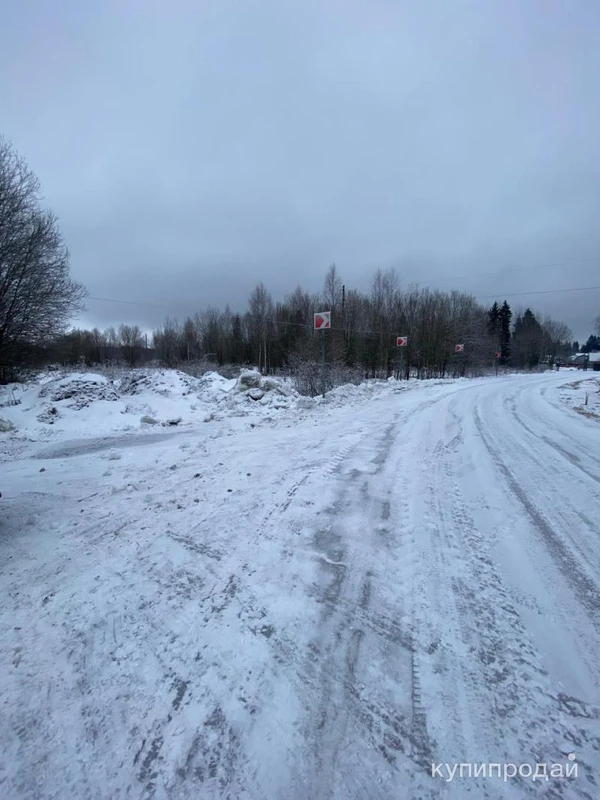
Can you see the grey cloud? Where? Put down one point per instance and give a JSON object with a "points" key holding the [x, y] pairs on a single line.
{"points": [[192, 149]]}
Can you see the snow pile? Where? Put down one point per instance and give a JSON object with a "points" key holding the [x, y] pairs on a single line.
{"points": [[83, 405], [80, 390], [250, 393], [88, 404], [249, 379], [212, 387], [165, 397], [279, 386], [268, 391], [166, 383], [348, 392], [49, 415]]}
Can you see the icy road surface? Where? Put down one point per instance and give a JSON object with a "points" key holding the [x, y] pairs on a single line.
{"points": [[319, 606]]}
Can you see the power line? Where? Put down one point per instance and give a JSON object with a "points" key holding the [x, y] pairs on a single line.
{"points": [[391, 333], [478, 297], [542, 291], [429, 280]]}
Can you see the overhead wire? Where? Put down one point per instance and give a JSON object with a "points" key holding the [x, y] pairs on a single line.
{"points": [[392, 333], [434, 280]]}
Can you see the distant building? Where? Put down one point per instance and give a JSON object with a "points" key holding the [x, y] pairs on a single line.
{"points": [[579, 360]]}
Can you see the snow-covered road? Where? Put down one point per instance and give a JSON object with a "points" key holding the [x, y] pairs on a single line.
{"points": [[317, 606]]}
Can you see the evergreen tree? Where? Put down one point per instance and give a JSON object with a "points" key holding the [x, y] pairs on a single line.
{"points": [[504, 319], [592, 344], [493, 322], [527, 340]]}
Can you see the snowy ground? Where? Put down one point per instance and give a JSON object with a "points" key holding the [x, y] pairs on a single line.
{"points": [[299, 600], [583, 395]]}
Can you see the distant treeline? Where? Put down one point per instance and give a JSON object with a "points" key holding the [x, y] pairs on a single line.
{"points": [[278, 336]]}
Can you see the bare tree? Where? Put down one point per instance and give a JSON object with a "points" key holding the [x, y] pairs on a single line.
{"points": [[260, 313], [332, 290], [167, 342], [37, 295], [132, 341], [98, 347], [191, 340], [557, 338], [113, 347]]}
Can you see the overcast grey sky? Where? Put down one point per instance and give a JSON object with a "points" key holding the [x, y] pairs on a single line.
{"points": [[194, 148]]}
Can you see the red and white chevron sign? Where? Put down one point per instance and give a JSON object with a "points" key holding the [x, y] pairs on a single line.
{"points": [[402, 341], [322, 320], [459, 348]]}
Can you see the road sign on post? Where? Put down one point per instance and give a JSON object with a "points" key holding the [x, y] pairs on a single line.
{"points": [[459, 348], [401, 341], [322, 320], [322, 323], [497, 355]]}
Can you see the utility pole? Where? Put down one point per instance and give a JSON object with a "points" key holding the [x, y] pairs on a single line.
{"points": [[344, 334]]}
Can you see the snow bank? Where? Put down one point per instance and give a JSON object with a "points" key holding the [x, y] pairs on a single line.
{"points": [[83, 405], [88, 404], [348, 392]]}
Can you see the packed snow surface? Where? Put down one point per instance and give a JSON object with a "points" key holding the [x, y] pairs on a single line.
{"points": [[267, 596]]}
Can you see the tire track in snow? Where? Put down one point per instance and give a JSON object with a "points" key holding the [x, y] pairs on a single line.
{"points": [[349, 623], [573, 458], [484, 647], [254, 618], [583, 584], [346, 592]]}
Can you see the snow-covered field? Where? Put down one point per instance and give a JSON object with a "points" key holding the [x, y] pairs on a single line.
{"points": [[284, 598]]}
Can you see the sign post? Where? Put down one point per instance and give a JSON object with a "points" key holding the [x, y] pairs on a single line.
{"points": [[401, 341], [497, 355], [460, 362], [322, 323]]}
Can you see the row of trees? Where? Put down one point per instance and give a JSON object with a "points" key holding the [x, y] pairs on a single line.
{"points": [[364, 330], [127, 344], [280, 336]]}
